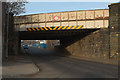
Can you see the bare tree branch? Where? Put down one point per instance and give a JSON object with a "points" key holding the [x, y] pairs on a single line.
{"points": [[16, 8]]}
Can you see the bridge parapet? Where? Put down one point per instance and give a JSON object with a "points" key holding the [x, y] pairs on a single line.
{"points": [[88, 18]]}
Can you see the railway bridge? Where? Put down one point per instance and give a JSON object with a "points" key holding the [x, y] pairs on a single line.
{"points": [[85, 33]]}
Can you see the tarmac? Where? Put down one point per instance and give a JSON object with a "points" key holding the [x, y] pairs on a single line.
{"points": [[25, 66], [18, 66], [98, 60]]}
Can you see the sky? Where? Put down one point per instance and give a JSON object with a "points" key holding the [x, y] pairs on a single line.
{"points": [[47, 7]]}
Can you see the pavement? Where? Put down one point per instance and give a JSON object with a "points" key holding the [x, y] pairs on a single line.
{"points": [[69, 67], [36, 51], [18, 66], [38, 65], [103, 61], [65, 67]]}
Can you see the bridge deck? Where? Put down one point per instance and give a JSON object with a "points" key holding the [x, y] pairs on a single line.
{"points": [[53, 34]]}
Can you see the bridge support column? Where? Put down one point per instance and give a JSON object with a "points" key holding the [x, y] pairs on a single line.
{"points": [[114, 25], [16, 44], [13, 39], [3, 30]]}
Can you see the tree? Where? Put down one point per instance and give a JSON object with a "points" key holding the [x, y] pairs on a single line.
{"points": [[15, 8]]}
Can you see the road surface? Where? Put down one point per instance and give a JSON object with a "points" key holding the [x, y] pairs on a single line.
{"points": [[65, 67]]}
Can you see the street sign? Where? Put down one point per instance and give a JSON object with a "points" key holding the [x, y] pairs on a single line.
{"points": [[56, 18]]}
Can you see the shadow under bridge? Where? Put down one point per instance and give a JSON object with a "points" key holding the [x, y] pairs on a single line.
{"points": [[66, 37]]}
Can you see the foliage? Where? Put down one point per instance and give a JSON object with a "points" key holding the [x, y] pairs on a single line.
{"points": [[16, 8]]}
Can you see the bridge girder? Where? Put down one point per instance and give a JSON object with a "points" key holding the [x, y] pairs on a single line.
{"points": [[53, 35]]}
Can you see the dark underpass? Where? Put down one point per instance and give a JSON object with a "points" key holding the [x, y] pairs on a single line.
{"points": [[54, 35], [66, 37]]}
